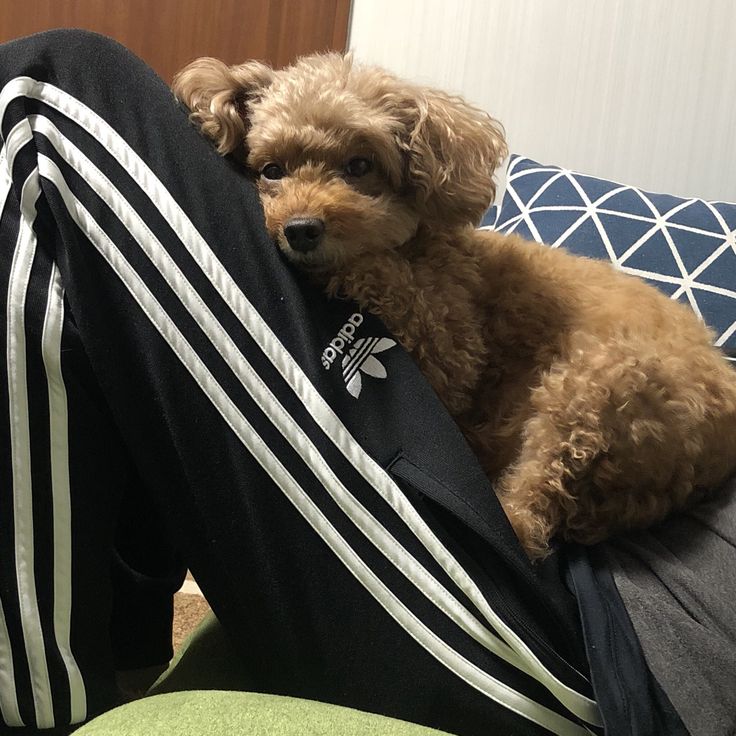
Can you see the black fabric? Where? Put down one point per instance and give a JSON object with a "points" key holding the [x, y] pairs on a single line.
{"points": [[146, 572], [631, 700], [677, 581], [166, 426]]}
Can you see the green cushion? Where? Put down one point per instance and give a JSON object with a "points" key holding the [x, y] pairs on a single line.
{"points": [[218, 713]]}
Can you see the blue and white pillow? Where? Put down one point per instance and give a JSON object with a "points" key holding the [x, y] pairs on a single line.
{"points": [[685, 247]]}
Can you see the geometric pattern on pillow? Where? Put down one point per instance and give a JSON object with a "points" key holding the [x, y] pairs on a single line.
{"points": [[684, 246]]}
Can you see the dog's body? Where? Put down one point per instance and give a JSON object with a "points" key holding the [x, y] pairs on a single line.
{"points": [[595, 403]]}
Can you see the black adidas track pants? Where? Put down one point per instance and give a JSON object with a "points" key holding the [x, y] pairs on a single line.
{"points": [[172, 394]]}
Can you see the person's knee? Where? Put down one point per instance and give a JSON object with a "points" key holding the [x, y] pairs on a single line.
{"points": [[87, 65], [84, 46]]}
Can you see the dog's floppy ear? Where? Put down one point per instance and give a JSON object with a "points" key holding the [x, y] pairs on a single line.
{"points": [[218, 95], [453, 150]]}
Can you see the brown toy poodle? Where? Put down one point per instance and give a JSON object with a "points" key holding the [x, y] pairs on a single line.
{"points": [[595, 403]]}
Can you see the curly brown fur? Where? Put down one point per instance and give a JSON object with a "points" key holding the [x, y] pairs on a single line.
{"points": [[595, 402]]}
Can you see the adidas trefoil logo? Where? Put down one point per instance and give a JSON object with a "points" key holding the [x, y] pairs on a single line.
{"points": [[360, 356], [361, 359]]}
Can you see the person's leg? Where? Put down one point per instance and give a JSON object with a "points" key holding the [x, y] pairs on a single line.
{"points": [[72, 607], [678, 584], [402, 592], [147, 570]]}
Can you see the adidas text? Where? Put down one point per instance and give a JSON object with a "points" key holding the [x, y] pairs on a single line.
{"points": [[344, 337]]}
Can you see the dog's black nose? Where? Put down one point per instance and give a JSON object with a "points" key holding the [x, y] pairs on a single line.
{"points": [[304, 233]]}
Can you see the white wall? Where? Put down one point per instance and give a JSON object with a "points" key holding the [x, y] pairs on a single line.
{"points": [[640, 91]]}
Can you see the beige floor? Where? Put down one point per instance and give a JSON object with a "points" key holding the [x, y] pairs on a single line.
{"points": [[190, 608]]}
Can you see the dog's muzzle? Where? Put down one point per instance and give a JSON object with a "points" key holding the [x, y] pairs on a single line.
{"points": [[304, 233]]}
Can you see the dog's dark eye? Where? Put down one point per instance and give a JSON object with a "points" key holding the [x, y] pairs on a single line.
{"points": [[358, 167], [272, 171]]}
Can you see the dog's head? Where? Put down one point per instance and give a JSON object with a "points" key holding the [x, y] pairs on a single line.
{"points": [[349, 158]]}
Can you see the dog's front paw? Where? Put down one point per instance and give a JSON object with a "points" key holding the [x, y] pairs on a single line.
{"points": [[532, 529]]}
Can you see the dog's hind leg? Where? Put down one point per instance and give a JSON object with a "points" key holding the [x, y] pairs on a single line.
{"points": [[536, 491], [613, 444]]}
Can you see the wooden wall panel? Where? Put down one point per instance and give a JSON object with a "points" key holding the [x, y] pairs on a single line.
{"points": [[169, 33]]}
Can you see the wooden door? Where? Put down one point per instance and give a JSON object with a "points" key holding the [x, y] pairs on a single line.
{"points": [[168, 34]]}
